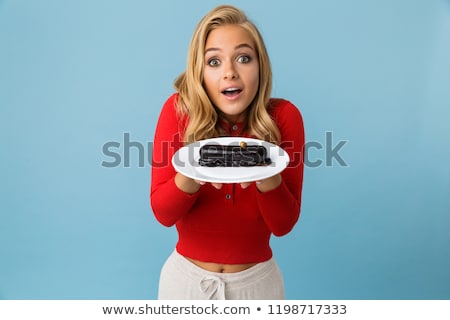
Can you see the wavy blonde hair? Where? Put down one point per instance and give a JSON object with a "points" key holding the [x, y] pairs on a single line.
{"points": [[194, 101]]}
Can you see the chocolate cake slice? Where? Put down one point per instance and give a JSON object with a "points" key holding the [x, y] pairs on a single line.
{"points": [[243, 155]]}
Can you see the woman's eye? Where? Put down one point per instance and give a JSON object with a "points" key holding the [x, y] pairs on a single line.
{"points": [[244, 59], [213, 62]]}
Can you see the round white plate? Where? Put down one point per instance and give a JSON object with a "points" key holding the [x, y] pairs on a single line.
{"points": [[185, 161]]}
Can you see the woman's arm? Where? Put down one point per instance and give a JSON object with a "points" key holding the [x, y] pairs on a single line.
{"points": [[171, 194], [280, 204]]}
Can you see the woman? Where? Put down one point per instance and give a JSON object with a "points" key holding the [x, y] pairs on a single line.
{"points": [[223, 249]]}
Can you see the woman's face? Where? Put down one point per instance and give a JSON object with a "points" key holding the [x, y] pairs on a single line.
{"points": [[231, 71]]}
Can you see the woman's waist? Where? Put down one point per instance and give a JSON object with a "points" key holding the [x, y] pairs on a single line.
{"points": [[221, 267], [191, 269], [222, 251]]}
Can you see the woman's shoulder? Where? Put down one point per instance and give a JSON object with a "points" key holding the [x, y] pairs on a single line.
{"points": [[171, 101], [282, 108], [288, 119], [170, 106], [170, 112]]}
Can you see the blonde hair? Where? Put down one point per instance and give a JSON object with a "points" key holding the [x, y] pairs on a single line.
{"points": [[193, 100]]}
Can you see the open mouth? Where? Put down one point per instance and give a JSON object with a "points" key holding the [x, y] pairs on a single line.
{"points": [[231, 92]]}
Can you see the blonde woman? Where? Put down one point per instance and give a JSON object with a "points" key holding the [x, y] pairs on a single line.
{"points": [[223, 249]]}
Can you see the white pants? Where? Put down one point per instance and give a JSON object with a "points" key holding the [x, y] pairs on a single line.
{"points": [[182, 280]]}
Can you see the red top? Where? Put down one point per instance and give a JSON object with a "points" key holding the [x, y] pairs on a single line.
{"points": [[231, 225]]}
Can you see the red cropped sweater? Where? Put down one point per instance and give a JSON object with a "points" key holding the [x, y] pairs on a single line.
{"points": [[231, 225]]}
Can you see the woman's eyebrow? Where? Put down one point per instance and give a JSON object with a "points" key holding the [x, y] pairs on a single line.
{"points": [[244, 45], [240, 46]]}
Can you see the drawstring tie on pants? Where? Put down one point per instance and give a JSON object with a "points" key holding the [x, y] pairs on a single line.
{"points": [[214, 286]]}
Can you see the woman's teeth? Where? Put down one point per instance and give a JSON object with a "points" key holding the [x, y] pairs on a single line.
{"points": [[231, 91]]}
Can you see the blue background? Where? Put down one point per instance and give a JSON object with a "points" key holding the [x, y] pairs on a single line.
{"points": [[75, 75]]}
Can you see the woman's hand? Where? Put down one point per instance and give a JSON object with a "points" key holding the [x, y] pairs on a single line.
{"points": [[265, 184], [215, 185], [191, 186]]}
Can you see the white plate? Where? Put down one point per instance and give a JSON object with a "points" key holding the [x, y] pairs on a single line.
{"points": [[185, 161]]}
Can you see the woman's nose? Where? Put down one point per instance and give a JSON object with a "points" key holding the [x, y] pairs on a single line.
{"points": [[229, 72]]}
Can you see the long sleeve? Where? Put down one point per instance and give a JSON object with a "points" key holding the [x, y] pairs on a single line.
{"points": [[168, 202], [280, 208]]}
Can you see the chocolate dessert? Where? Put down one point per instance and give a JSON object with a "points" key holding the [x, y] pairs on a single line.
{"points": [[242, 155]]}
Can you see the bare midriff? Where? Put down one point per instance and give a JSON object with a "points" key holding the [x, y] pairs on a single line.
{"points": [[221, 268]]}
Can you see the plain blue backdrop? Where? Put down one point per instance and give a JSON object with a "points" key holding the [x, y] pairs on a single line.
{"points": [[75, 75]]}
